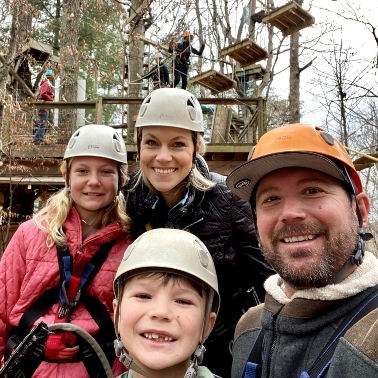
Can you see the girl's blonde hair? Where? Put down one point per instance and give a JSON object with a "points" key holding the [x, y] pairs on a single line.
{"points": [[51, 218], [196, 178]]}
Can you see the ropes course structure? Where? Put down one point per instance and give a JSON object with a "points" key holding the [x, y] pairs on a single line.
{"points": [[225, 67]]}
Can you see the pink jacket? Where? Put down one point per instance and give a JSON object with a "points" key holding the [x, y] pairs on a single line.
{"points": [[28, 268]]}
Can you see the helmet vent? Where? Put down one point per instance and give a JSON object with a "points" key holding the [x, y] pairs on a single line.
{"points": [[328, 138], [143, 108], [191, 110]]}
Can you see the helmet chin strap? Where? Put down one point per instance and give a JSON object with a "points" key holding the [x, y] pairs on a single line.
{"points": [[127, 360], [359, 252]]}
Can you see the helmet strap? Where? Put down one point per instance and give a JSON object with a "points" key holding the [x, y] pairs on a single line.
{"points": [[190, 177], [197, 359], [359, 252], [126, 359]]}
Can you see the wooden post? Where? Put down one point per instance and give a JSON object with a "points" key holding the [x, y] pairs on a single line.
{"points": [[99, 110], [261, 126]]}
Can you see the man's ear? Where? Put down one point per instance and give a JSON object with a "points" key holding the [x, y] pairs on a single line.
{"points": [[364, 205], [210, 324]]}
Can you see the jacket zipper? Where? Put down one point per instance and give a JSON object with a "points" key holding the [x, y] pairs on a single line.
{"points": [[190, 225], [274, 342]]}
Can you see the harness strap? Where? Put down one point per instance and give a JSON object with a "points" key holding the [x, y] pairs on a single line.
{"points": [[322, 363], [27, 355], [253, 367], [100, 315], [51, 296], [29, 317]]}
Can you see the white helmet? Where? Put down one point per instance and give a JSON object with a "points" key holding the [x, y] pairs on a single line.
{"points": [[173, 251], [158, 56], [97, 140], [172, 107]]}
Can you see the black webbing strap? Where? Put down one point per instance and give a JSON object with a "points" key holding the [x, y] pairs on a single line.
{"points": [[28, 318], [323, 361], [255, 355], [27, 355], [51, 296], [368, 305], [106, 334]]}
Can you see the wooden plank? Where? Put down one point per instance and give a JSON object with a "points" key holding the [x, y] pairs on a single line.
{"points": [[298, 27], [245, 52], [213, 80], [135, 100], [153, 43], [289, 18]]}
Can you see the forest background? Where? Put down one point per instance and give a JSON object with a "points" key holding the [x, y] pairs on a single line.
{"points": [[324, 74]]}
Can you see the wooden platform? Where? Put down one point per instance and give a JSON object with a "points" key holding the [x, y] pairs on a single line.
{"points": [[245, 52], [256, 71], [213, 80], [289, 18], [364, 162]]}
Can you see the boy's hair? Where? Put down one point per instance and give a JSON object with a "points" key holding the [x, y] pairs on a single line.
{"points": [[51, 218], [165, 277]]}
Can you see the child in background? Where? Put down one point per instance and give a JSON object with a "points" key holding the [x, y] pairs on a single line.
{"points": [[166, 304]]}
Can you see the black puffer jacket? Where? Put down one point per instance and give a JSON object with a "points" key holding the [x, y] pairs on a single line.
{"points": [[224, 223]]}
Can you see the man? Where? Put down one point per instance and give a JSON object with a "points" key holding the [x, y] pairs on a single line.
{"points": [[159, 73], [182, 59], [310, 210], [45, 94]]}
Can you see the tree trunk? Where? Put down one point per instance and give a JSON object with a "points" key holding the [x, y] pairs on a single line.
{"points": [[135, 65], [69, 59], [294, 101]]}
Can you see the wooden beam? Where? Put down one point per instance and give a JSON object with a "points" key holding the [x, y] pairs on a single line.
{"points": [[135, 100], [153, 43], [15, 75]]}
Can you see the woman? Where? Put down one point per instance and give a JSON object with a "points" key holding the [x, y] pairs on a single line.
{"points": [[71, 249], [173, 189]]}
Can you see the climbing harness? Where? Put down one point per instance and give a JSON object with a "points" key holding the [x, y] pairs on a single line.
{"points": [[318, 369], [71, 290], [26, 358]]}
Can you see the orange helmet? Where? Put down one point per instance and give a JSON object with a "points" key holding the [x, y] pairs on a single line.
{"points": [[297, 145], [187, 33]]}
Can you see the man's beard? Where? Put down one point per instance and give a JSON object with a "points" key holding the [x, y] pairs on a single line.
{"points": [[334, 254]]}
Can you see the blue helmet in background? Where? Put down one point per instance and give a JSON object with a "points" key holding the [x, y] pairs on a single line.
{"points": [[49, 73]]}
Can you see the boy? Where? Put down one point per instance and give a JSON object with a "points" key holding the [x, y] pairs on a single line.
{"points": [[166, 304]]}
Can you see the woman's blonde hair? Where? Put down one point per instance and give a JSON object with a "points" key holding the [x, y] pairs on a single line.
{"points": [[51, 218], [196, 178]]}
